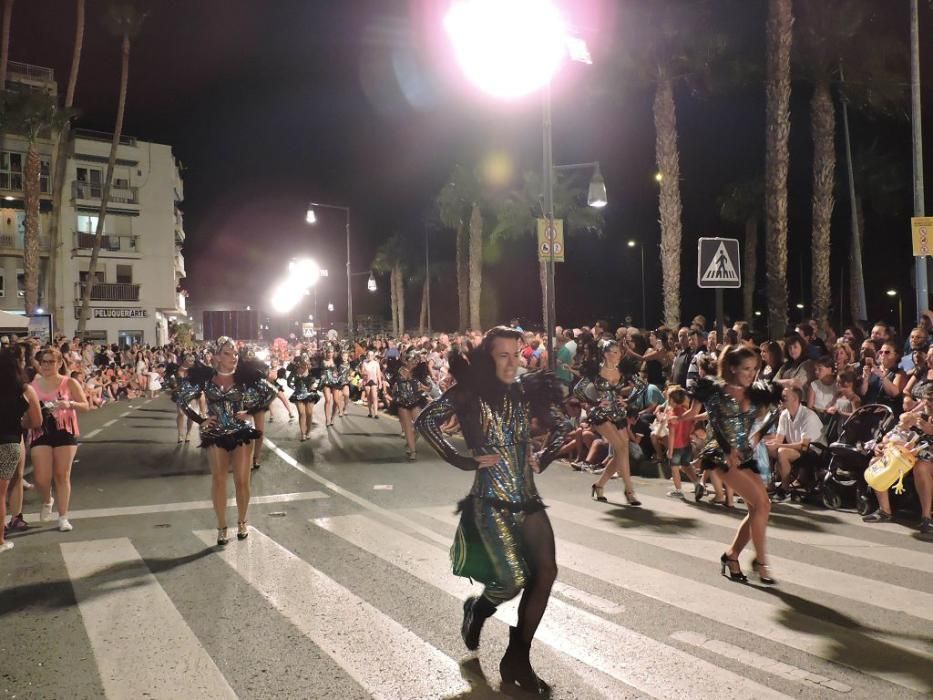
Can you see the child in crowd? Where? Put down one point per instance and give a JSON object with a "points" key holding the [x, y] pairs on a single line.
{"points": [[679, 444], [154, 385]]}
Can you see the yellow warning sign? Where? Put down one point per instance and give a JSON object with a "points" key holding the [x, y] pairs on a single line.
{"points": [[921, 228], [554, 238]]}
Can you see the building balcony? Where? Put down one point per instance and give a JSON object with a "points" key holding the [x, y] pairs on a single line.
{"points": [[91, 192], [110, 291], [110, 243], [39, 74], [180, 264], [179, 227], [10, 243], [102, 136]]}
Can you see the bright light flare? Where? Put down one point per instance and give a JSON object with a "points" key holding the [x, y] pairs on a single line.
{"points": [[310, 216], [891, 292], [262, 355], [304, 272], [508, 48], [286, 296]]}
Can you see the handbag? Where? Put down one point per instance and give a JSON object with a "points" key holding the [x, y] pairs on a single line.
{"points": [[468, 555], [890, 468]]}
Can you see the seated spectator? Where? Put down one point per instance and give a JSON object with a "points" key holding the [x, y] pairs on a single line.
{"points": [[798, 426], [797, 369], [883, 381], [772, 357], [918, 342], [843, 357], [816, 348], [823, 388], [921, 375]]}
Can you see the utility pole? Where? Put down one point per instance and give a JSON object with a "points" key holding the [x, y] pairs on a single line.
{"points": [[920, 261]]}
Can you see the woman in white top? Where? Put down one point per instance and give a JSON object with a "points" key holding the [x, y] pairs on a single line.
{"points": [[371, 371]]}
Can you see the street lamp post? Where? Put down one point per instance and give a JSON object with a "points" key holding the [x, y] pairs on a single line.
{"points": [[900, 309], [311, 218], [644, 301]]}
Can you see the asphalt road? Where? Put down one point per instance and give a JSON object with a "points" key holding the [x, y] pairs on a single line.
{"points": [[343, 588]]}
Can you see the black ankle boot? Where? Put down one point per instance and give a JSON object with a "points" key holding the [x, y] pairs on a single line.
{"points": [[475, 611], [515, 668]]}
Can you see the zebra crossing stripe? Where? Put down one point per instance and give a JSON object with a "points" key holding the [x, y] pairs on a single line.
{"points": [[345, 627], [142, 644], [892, 659], [856, 588], [849, 546], [646, 664]]}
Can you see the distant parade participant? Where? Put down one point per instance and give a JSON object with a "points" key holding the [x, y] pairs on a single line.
{"points": [[505, 538], [304, 386], [330, 385], [347, 372], [230, 393], [54, 443], [371, 372], [409, 390], [174, 376]]}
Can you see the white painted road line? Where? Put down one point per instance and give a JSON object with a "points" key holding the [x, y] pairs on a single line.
{"points": [[184, 505], [142, 644], [860, 589], [633, 658], [89, 435], [112, 421], [850, 546], [124, 414], [777, 623], [386, 659], [763, 663]]}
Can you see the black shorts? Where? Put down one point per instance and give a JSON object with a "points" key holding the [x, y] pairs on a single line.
{"points": [[55, 438]]}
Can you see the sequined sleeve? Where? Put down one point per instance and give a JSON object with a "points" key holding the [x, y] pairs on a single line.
{"points": [[429, 424], [187, 392], [585, 391], [555, 439], [262, 395]]}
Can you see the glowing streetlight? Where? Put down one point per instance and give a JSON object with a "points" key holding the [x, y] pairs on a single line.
{"points": [[800, 306], [508, 48], [330, 306], [658, 176], [632, 244], [891, 292], [596, 195], [310, 216], [304, 271], [371, 284], [758, 313], [286, 296]]}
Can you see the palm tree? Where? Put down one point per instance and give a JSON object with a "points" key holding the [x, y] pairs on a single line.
{"points": [[59, 165], [742, 204], [389, 259], [459, 205], [777, 158], [5, 41], [125, 21], [516, 213], [36, 115]]}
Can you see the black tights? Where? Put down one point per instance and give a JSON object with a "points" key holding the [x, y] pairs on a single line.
{"points": [[538, 550]]}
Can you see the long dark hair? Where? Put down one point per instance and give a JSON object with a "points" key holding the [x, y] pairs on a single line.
{"points": [[12, 377], [732, 358]]}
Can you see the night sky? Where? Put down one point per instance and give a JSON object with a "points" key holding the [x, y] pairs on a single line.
{"points": [[273, 104]]}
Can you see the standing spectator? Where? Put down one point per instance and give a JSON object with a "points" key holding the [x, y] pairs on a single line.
{"points": [[19, 409], [797, 369], [564, 358], [681, 363]]}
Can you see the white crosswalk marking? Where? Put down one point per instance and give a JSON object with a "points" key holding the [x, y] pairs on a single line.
{"points": [[142, 645], [646, 664], [817, 637], [345, 627], [853, 547], [882, 594]]}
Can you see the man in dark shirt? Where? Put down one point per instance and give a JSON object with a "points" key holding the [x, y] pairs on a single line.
{"points": [[682, 359]]}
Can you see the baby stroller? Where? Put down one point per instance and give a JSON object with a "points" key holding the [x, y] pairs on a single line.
{"points": [[843, 485]]}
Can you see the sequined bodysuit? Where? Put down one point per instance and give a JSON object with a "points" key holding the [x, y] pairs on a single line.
{"points": [[730, 425], [304, 388], [408, 392], [330, 376], [597, 390], [223, 405], [503, 494]]}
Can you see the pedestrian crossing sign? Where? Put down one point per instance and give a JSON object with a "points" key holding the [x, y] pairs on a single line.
{"points": [[718, 263]]}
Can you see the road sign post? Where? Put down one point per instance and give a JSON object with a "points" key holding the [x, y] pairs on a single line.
{"points": [[719, 267]]}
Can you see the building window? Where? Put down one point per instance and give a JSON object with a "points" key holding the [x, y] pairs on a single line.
{"points": [[20, 284], [98, 276], [11, 172], [93, 179], [124, 274], [2, 287], [88, 224]]}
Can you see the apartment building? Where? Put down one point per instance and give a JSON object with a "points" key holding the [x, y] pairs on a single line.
{"points": [[136, 290]]}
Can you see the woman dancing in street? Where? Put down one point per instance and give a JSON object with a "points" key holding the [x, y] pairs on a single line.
{"points": [[409, 391], [54, 443], [230, 393], [605, 391], [371, 371], [182, 420], [342, 394], [505, 538], [733, 402], [304, 395], [330, 383]]}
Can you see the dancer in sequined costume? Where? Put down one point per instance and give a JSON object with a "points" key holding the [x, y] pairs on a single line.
{"points": [[330, 384], [409, 389], [230, 392], [605, 390], [304, 386], [733, 402], [505, 538]]}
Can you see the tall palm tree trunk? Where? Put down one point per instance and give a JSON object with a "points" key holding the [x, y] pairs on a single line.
{"points": [[108, 183], [777, 159], [423, 314], [750, 271], [476, 266], [393, 300], [5, 42], [463, 274], [31, 239], [823, 123], [400, 298], [669, 205], [59, 171]]}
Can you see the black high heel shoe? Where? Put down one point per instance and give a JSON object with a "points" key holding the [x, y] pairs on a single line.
{"points": [[764, 572], [242, 532], [734, 575], [221, 536], [632, 499], [475, 611], [597, 493], [516, 671]]}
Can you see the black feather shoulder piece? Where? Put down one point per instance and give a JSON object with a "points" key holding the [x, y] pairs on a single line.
{"points": [[705, 388], [250, 371], [543, 391], [421, 372], [200, 374], [765, 393]]}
